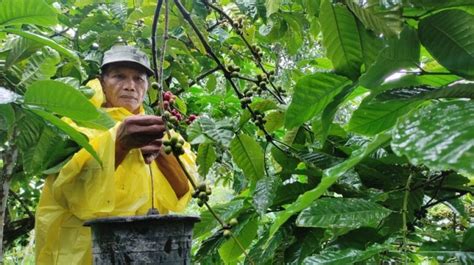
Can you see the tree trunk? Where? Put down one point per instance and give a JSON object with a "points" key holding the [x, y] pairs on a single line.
{"points": [[9, 157]]}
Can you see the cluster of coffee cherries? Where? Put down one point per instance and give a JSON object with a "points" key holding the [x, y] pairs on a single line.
{"points": [[202, 193], [226, 230], [258, 118], [258, 52], [233, 70], [171, 114], [238, 25], [174, 145]]}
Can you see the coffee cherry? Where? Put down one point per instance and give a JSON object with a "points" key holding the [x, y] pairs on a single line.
{"points": [[174, 139], [154, 85], [168, 150], [233, 222], [200, 203], [166, 115], [202, 186], [227, 233]]}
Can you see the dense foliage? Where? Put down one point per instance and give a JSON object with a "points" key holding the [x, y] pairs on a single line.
{"points": [[343, 129]]}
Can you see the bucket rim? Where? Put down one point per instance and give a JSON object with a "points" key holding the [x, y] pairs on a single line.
{"points": [[139, 218]]}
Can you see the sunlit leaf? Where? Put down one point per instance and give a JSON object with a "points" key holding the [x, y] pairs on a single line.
{"points": [[378, 16], [312, 94], [330, 176], [248, 155], [342, 213], [375, 116], [61, 98], [338, 26], [449, 37], [75, 135], [205, 158], [17, 12], [439, 136]]}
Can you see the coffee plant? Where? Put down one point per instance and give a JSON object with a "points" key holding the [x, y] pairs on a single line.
{"points": [[342, 130]]}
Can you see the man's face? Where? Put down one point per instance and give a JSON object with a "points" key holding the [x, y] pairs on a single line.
{"points": [[125, 87]]}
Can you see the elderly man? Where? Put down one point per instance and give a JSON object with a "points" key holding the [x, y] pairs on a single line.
{"points": [[84, 189]]}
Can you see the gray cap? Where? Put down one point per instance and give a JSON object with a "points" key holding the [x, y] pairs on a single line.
{"points": [[121, 53]]}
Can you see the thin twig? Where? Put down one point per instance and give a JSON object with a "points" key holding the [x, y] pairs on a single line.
{"points": [[22, 204]]}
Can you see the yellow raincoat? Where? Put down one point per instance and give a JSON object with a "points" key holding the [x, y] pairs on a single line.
{"points": [[84, 190]]}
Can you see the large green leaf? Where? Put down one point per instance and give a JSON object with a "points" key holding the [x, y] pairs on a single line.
{"points": [[341, 38], [7, 116], [75, 135], [401, 53], [458, 90], [370, 45], [205, 158], [21, 48], [102, 122], [375, 116], [342, 213], [377, 16], [344, 256], [17, 12], [294, 37], [440, 4], [330, 176], [43, 40], [41, 66], [449, 37], [220, 131], [61, 98], [231, 250], [248, 155], [439, 136], [312, 94], [265, 192]]}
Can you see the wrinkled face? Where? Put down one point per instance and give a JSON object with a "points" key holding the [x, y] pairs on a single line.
{"points": [[124, 86]]}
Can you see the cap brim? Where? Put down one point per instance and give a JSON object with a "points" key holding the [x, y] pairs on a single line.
{"points": [[148, 70]]}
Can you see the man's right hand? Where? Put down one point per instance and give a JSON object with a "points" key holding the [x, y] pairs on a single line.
{"points": [[137, 132]]}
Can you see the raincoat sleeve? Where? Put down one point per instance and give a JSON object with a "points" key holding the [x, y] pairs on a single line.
{"points": [[84, 186], [166, 197]]}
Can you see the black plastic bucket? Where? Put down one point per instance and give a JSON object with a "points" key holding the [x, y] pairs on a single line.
{"points": [[151, 239]]}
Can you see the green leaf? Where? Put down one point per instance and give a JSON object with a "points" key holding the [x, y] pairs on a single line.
{"points": [[44, 40], [274, 120], [400, 54], [449, 37], [220, 131], [205, 158], [7, 96], [342, 44], [41, 66], [322, 124], [468, 240], [75, 135], [330, 176], [7, 115], [345, 256], [295, 36], [265, 192], [342, 213], [377, 16], [226, 211], [370, 44], [17, 12], [375, 116], [22, 49], [458, 90], [231, 250], [61, 98], [439, 136], [272, 6], [312, 94], [102, 122], [248, 156]]}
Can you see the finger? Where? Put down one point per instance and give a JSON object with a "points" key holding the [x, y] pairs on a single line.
{"points": [[144, 120], [153, 146], [155, 131], [150, 157]]}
